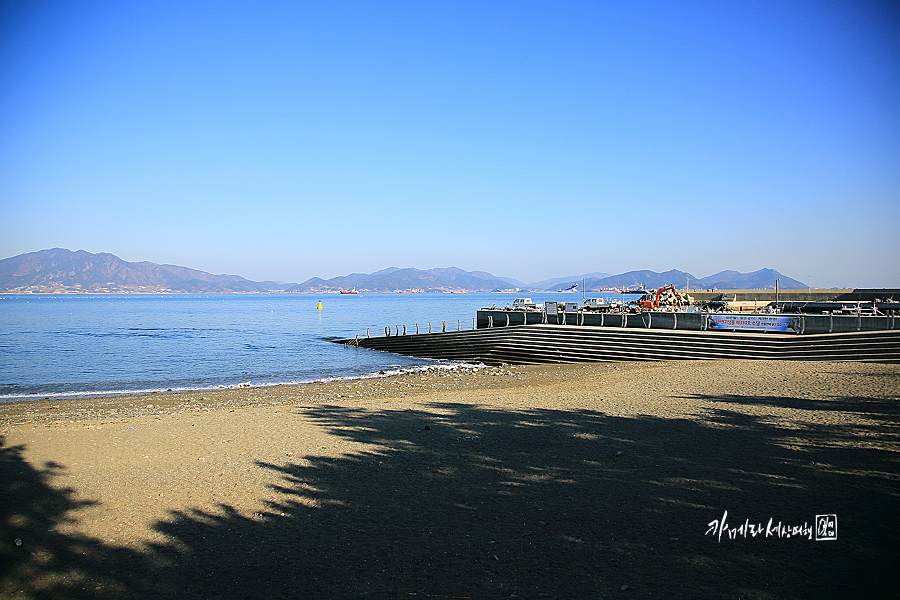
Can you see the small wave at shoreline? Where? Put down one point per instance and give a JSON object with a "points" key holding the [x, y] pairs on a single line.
{"points": [[391, 371]]}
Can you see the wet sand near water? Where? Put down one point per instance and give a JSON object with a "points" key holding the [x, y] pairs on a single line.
{"points": [[559, 481]]}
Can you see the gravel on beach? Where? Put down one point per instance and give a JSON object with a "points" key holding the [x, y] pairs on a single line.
{"points": [[558, 481]]}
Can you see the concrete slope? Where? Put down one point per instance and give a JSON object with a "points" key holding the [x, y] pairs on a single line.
{"points": [[555, 343]]}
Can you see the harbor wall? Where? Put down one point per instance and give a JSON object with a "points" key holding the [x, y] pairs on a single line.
{"points": [[538, 343], [802, 295], [766, 296], [688, 321]]}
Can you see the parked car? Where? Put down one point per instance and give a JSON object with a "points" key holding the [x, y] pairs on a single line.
{"points": [[600, 305], [525, 304]]}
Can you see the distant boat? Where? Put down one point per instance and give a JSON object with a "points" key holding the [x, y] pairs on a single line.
{"points": [[353, 291], [638, 290]]}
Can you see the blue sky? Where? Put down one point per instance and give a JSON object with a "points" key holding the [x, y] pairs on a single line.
{"points": [[284, 140]]}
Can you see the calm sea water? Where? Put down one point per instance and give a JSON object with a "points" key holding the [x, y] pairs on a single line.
{"points": [[77, 345]]}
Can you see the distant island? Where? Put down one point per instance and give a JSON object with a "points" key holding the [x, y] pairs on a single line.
{"points": [[59, 270]]}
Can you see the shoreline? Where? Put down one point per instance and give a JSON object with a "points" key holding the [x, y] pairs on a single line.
{"points": [[100, 395], [407, 384], [557, 480]]}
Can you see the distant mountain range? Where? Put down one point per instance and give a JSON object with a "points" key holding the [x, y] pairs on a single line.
{"points": [[396, 279], [59, 270], [724, 280]]}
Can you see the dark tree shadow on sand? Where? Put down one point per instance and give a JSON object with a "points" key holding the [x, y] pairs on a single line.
{"points": [[459, 500], [36, 559]]}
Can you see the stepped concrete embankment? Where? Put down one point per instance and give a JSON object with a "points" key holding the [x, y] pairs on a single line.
{"points": [[689, 321], [549, 343]]}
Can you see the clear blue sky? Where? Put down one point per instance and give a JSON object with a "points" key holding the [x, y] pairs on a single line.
{"points": [[284, 140]]}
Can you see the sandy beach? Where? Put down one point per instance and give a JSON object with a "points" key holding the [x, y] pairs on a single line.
{"points": [[564, 481]]}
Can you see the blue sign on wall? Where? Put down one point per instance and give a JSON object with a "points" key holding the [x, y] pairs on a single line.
{"points": [[751, 322]]}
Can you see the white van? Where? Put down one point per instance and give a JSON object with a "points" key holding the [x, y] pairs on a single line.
{"points": [[599, 304], [524, 304]]}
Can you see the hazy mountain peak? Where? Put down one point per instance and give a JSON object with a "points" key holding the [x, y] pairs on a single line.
{"points": [[61, 270], [58, 269]]}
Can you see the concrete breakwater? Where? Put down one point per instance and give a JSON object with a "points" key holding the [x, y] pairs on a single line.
{"points": [[801, 295], [550, 343], [803, 332], [688, 321]]}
